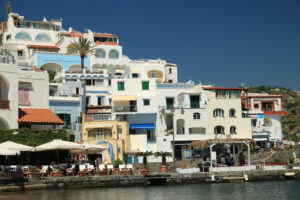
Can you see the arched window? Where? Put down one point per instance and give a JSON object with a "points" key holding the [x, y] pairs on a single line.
{"points": [[219, 130], [22, 36], [218, 112], [100, 53], [232, 130], [196, 115], [43, 37], [231, 112], [114, 54]]}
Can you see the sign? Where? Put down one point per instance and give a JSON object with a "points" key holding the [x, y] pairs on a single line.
{"points": [[213, 155], [255, 116], [187, 154]]}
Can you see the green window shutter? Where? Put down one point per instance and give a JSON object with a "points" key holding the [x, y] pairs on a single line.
{"points": [[145, 85], [121, 86]]}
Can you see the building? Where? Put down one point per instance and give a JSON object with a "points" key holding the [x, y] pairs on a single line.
{"points": [[265, 112]]}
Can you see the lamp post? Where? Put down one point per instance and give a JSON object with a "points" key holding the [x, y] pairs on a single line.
{"points": [[172, 111]]}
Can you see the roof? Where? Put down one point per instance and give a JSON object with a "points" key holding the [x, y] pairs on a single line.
{"points": [[38, 116], [43, 46], [223, 88]]}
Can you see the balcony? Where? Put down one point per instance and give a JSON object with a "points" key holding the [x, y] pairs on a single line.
{"points": [[100, 135], [98, 117], [4, 104], [120, 109], [261, 131]]}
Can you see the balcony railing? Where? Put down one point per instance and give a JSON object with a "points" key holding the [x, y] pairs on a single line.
{"points": [[184, 106], [260, 129], [100, 135], [4, 104], [98, 117], [125, 108]]}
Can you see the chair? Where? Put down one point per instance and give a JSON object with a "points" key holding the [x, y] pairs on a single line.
{"points": [[13, 168], [122, 167], [82, 168], [25, 170], [102, 171], [110, 169], [130, 168], [44, 170], [91, 169], [70, 171]]}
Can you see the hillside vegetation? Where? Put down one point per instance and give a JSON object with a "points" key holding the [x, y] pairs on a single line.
{"points": [[291, 102]]}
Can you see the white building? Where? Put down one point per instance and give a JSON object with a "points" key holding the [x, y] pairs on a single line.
{"points": [[265, 112]]}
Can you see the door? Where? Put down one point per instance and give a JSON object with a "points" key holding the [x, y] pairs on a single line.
{"points": [[170, 102], [194, 100]]}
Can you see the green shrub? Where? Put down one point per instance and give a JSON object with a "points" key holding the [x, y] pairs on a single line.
{"points": [[117, 163]]}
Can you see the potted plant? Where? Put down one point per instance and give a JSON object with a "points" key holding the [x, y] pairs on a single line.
{"points": [[144, 168], [116, 165], [34, 174], [163, 154]]}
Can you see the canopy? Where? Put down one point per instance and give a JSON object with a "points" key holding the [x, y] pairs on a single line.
{"points": [[59, 145], [90, 148], [124, 98], [15, 146], [142, 126], [7, 152]]}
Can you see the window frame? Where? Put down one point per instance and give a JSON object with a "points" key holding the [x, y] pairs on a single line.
{"points": [[121, 86], [147, 86], [196, 116]]}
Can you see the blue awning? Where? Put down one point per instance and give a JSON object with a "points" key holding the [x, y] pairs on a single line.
{"points": [[101, 76], [82, 76], [88, 76], [143, 126], [74, 76], [68, 76], [95, 76]]}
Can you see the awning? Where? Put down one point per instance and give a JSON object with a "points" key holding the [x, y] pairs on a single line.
{"points": [[101, 76], [68, 76], [95, 76], [82, 76], [119, 71], [142, 126], [74, 76], [88, 76], [124, 98], [38, 116]]}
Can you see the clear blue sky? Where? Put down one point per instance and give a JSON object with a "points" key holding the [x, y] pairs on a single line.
{"points": [[226, 42]]}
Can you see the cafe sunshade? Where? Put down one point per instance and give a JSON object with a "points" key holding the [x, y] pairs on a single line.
{"points": [[15, 146], [90, 148], [59, 145], [7, 152]]}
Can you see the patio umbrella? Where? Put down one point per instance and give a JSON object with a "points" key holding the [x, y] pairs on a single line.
{"points": [[15, 146], [57, 145], [93, 148], [8, 152]]}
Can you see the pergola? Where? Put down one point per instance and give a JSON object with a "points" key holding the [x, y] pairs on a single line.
{"points": [[212, 142]]}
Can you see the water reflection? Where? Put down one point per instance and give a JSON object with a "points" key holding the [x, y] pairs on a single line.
{"points": [[231, 191]]}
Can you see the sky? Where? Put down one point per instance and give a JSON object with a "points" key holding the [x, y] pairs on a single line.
{"points": [[220, 42]]}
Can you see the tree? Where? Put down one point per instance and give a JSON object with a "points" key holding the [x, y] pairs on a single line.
{"points": [[8, 7], [163, 155], [84, 46], [145, 155]]}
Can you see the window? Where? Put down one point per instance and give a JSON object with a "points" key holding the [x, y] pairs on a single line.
{"points": [[218, 112], [170, 102], [267, 106], [150, 135], [100, 53], [170, 81], [170, 70], [114, 54], [153, 74], [196, 115], [256, 105], [121, 86], [146, 102], [100, 101], [196, 130], [228, 94], [20, 53], [24, 96], [145, 85], [87, 100], [194, 100], [23, 36], [231, 112], [254, 122], [219, 130], [232, 130], [135, 75], [43, 37], [77, 91], [66, 118]]}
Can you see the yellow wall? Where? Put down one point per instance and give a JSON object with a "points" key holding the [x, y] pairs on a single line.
{"points": [[119, 141]]}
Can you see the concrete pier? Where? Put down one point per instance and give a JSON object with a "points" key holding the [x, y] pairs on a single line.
{"points": [[140, 180]]}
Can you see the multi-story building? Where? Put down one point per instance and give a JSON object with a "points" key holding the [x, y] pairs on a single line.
{"points": [[265, 112]]}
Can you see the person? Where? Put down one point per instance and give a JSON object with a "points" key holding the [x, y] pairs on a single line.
{"points": [[227, 159], [232, 161], [242, 159], [98, 161]]}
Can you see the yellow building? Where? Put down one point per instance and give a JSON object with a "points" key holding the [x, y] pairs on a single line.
{"points": [[110, 133]]}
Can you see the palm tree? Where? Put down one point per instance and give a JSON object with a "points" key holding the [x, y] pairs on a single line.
{"points": [[163, 155], [145, 155], [84, 46]]}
